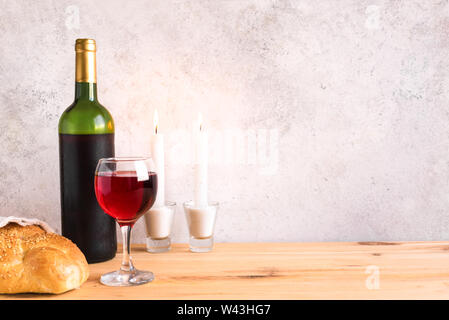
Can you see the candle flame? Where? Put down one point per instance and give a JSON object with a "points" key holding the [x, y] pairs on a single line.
{"points": [[200, 120], [155, 121]]}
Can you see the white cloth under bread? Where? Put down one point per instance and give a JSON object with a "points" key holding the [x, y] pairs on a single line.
{"points": [[25, 222]]}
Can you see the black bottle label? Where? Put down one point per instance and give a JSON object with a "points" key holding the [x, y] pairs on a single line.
{"points": [[83, 221]]}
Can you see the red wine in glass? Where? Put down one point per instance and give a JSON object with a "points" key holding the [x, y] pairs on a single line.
{"points": [[126, 188], [123, 196]]}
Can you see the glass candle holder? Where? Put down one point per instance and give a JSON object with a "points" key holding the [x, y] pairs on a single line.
{"points": [[201, 224], [158, 224]]}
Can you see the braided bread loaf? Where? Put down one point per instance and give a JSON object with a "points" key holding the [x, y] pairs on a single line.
{"points": [[33, 260]]}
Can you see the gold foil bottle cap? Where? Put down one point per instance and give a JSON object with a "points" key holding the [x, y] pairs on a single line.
{"points": [[82, 45], [86, 65]]}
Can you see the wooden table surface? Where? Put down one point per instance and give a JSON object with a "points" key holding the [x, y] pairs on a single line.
{"points": [[364, 270]]}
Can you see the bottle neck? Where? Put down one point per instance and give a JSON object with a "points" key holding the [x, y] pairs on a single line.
{"points": [[85, 72], [85, 91]]}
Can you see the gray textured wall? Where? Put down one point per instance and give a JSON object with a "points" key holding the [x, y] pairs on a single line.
{"points": [[353, 95]]}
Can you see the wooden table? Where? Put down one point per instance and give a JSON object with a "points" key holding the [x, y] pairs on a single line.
{"points": [[364, 270]]}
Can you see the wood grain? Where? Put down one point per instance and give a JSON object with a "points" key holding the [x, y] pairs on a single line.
{"points": [[407, 270]]}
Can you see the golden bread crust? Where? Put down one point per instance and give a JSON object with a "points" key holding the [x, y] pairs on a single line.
{"points": [[33, 260]]}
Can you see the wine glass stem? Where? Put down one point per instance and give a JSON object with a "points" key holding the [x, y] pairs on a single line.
{"points": [[127, 264]]}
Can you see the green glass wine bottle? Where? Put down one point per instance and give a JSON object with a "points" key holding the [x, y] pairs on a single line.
{"points": [[86, 134]]}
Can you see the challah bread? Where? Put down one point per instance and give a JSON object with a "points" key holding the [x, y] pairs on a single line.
{"points": [[33, 260]]}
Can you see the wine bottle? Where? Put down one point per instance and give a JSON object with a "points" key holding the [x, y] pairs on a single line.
{"points": [[86, 134]]}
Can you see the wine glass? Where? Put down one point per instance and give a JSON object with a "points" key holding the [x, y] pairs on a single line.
{"points": [[126, 188]]}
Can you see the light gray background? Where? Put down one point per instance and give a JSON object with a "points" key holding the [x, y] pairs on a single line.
{"points": [[356, 91]]}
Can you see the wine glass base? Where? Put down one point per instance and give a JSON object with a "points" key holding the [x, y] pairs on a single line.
{"points": [[126, 279]]}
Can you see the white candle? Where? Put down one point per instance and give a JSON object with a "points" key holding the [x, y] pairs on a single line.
{"points": [[201, 221], [157, 153], [201, 163], [159, 222]]}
